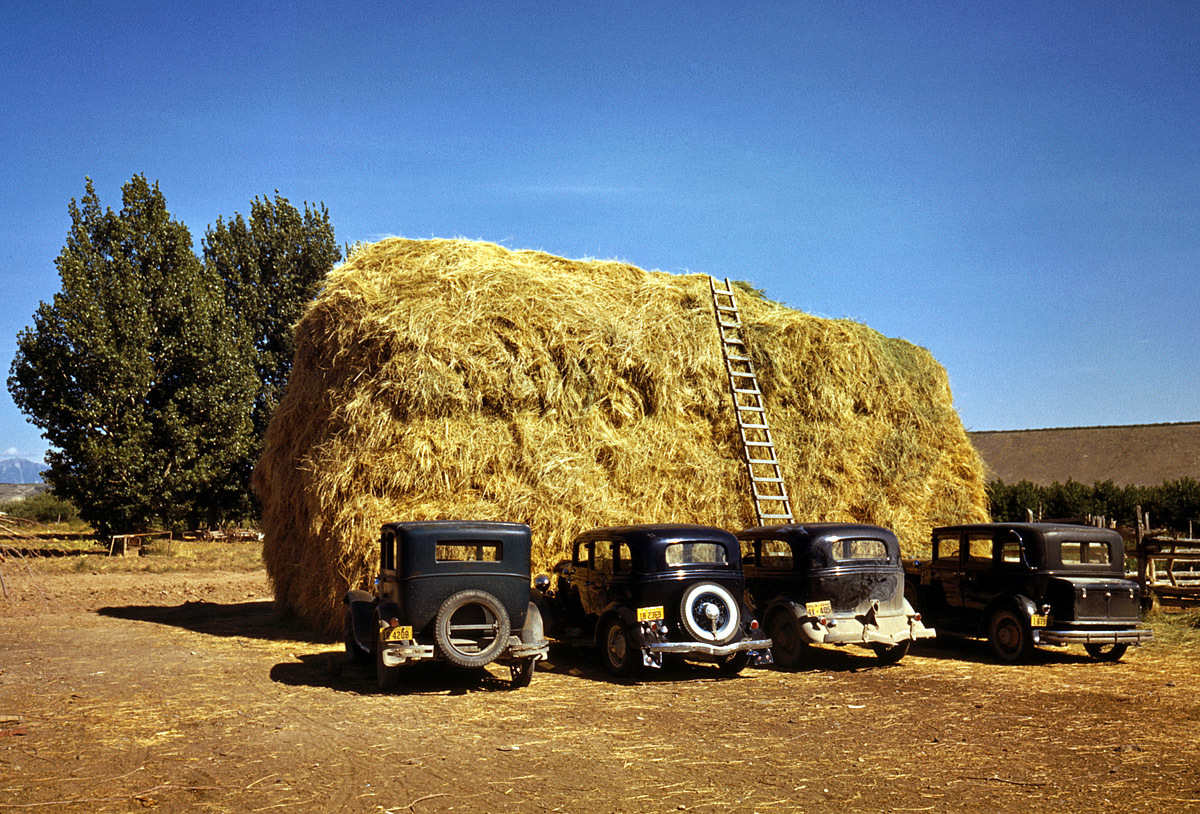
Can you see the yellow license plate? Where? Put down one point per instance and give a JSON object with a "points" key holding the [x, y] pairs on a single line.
{"points": [[400, 633], [823, 608], [651, 614], [1039, 620]]}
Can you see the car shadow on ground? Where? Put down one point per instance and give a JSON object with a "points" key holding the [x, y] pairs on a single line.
{"points": [[583, 662], [253, 620], [337, 671], [977, 651]]}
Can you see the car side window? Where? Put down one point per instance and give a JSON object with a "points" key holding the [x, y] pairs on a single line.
{"points": [[776, 554], [624, 562], [979, 549], [947, 550], [583, 555], [602, 559], [1011, 552]]}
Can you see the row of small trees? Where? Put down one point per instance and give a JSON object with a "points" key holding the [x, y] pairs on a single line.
{"points": [[1172, 505], [153, 373]]}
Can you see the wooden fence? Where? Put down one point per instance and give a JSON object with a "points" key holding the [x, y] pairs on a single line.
{"points": [[1168, 567]]}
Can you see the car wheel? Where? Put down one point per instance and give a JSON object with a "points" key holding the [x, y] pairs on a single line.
{"points": [[787, 647], [1009, 636], [710, 613], [1106, 652], [617, 650], [472, 628], [522, 672], [387, 678], [891, 653], [734, 663]]}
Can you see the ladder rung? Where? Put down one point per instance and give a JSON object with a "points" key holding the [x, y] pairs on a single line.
{"points": [[742, 375], [750, 408], [754, 426], [757, 479], [777, 498], [763, 461], [731, 308], [775, 516], [738, 358], [743, 391], [760, 443], [724, 324]]}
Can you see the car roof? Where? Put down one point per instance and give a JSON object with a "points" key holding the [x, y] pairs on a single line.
{"points": [[815, 530], [661, 534], [1033, 529]]}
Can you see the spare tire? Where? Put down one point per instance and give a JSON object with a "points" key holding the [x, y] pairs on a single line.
{"points": [[472, 628], [710, 613]]}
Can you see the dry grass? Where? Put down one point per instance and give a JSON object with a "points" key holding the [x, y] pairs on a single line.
{"points": [[454, 379]]}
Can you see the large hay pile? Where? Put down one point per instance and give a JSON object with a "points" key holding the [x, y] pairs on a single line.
{"points": [[454, 379]]}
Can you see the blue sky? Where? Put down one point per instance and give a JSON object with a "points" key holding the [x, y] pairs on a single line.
{"points": [[1015, 186]]}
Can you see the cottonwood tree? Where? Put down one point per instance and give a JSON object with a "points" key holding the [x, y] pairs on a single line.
{"points": [[272, 265], [134, 373]]}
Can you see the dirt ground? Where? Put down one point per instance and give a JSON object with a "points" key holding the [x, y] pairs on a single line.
{"points": [[181, 692]]}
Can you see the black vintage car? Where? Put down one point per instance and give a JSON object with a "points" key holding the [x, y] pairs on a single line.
{"points": [[829, 583], [642, 593], [455, 590], [1025, 584]]}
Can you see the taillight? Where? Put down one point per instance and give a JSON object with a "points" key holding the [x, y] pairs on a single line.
{"points": [[754, 624]]}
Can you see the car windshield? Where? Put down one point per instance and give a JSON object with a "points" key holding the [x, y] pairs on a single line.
{"points": [[1089, 552], [696, 554], [467, 552], [859, 550]]}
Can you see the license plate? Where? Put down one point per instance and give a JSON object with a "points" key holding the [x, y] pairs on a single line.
{"points": [[651, 614], [400, 633], [823, 608], [1039, 620]]}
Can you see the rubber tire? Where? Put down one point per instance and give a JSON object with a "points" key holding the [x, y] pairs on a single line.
{"points": [[522, 672], [732, 607], [618, 653], [455, 603], [1106, 652], [734, 663], [386, 678], [1010, 638], [787, 647], [891, 653]]}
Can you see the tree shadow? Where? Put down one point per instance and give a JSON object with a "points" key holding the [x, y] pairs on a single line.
{"points": [[253, 620]]}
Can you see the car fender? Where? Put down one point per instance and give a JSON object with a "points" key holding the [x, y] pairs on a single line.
{"points": [[1021, 604], [627, 616]]}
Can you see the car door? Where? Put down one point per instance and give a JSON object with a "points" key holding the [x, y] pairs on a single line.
{"points": [[944, 594], [978, 574]]}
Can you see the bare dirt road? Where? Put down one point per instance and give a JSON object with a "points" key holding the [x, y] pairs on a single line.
{"points": [[181, 693]]}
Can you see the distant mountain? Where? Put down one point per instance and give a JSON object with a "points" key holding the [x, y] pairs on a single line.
{"points": [[20, 470]]}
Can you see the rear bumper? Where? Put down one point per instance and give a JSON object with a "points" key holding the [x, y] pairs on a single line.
{"points": [[1065, 637], [886, 630], [397, 653], [760, 650]]}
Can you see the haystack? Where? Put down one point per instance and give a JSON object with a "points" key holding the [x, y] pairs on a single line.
{"points": [[453, 379]]}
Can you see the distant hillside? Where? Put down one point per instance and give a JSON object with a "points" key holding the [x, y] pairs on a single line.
{"points": [[1132, 455], [20, 470]]}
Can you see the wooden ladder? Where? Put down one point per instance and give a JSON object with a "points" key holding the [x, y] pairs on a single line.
{"points": [[771, 503]]}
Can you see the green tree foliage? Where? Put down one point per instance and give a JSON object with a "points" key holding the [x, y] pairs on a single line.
{"points": [[1171, 505], [272, 265], [44, 507], [133, 374]]}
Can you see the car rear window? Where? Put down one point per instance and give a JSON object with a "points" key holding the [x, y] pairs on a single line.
{"points": [[467, 552], [860, 549], [696, 554], [1087, 552]]}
